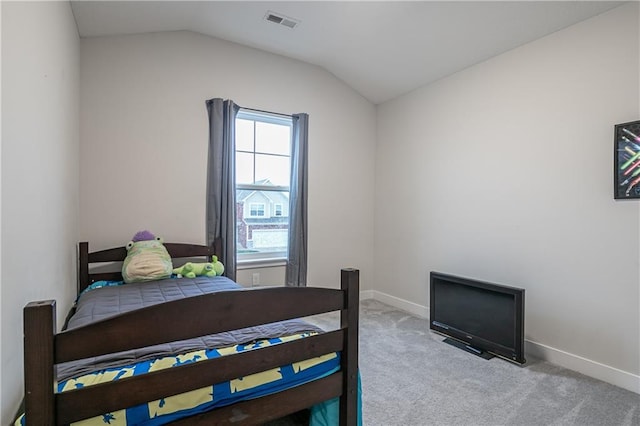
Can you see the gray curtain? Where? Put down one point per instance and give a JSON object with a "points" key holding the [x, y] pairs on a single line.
{"points": [[221, 180], [296, 274]]}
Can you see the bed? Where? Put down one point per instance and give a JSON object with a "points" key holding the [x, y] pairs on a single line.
{"points": [[55, 395]]}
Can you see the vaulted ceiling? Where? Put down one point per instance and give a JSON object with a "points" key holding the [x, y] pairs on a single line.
{"points": [[382, 48]]}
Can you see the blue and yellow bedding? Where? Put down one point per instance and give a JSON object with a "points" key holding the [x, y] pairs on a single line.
{"points": [[105, 300], [162, 411]]}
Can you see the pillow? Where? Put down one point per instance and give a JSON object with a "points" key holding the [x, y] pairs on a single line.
{"points": [[146, 261]]}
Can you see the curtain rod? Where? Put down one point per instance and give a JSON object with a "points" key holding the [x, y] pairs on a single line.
{"points": [[267, 112]]}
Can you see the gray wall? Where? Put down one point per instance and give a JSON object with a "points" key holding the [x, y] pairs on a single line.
{"points": [[500, 172], [144, 133], [40, 157], [503, 172]]}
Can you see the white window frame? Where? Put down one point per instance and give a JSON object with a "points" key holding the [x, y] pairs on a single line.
{"points": [[275, 210], [276, 258]]}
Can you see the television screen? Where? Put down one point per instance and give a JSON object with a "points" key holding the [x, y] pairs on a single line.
{"points": [[485, 316]]}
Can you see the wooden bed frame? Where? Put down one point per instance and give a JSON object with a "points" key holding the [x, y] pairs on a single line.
{"points": [[217, 312]]}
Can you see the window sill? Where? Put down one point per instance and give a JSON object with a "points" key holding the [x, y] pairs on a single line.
{"points": [[260, 263]]}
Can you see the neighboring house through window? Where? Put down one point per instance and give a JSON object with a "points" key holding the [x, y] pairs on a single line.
{"points": [[263, 168]]}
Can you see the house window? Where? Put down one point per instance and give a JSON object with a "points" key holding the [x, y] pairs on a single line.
{"points": [[257, 209], [263, 168]]}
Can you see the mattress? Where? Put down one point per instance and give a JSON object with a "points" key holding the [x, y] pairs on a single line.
{"points": [[108, 301]]}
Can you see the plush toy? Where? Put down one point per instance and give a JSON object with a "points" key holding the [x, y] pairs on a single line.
{"points": [[217, 265], [207, 269], [147, 259], [192, 270]]}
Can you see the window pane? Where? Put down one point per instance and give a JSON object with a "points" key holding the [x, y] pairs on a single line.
{"points": [[256, 209], [273, 138], [244, 167], [244, 135], [263, 146], [263, 221], [274, 168]]}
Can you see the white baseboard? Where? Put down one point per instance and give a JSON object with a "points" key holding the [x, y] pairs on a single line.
{"points": [[396, 302], [594, 369], [366, 294], [590, 368]]}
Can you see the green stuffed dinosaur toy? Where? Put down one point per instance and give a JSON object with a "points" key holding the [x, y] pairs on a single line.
{"points": [[206, 269], [218, 267]]}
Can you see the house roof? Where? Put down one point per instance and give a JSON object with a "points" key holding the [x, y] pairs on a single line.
{"points": [[243, 194]]}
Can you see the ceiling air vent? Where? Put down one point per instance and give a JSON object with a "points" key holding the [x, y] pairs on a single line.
{"points": [[280, 19]]}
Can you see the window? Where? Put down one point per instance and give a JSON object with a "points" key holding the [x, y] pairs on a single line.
{"points": [[263, 168], [257, 209]]}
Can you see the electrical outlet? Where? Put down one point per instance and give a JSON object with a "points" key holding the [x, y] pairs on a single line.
{"points": [[255, 278]]}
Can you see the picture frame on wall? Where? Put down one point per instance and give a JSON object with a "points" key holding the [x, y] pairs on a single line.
{"points": [[626, 172]]}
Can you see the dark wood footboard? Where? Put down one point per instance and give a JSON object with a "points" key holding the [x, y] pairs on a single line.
{"points": [[217, 312]]}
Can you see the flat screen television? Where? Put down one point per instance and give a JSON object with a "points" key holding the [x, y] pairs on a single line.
{"points": [[481, 317]]}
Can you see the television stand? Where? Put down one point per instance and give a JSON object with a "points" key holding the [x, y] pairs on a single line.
{"points": [[477, 352]]}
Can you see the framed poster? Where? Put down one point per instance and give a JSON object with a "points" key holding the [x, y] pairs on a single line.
{"points": [[626, 172]]}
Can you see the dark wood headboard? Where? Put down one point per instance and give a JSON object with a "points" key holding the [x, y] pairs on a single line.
{"points": [[176, 251]]}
